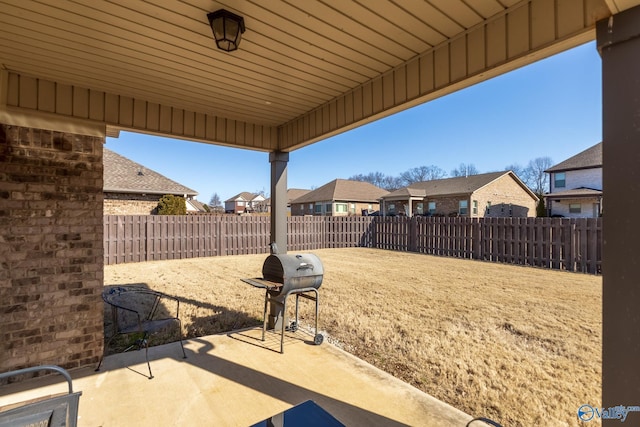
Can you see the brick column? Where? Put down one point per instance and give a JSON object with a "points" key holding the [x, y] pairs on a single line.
{"points": [[51, 255]]}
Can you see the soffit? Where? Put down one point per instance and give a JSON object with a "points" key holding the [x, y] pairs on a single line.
{"points": [[296, 57]]}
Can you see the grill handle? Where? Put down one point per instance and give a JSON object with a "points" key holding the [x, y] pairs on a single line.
{"points": [[305, 266]]}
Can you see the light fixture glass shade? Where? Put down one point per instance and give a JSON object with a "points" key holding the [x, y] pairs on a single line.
{"points": [[227, 29]]}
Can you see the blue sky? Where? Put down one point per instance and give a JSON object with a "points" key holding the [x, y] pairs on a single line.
{"points": [[550, 108]]}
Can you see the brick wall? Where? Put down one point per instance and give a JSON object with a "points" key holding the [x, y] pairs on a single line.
{"points": [[445, 205], [301, 209], [51, 256], [130, 204], [507, 197]]}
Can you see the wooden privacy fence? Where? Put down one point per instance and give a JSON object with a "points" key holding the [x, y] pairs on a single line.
{"points": [[558, 243], [136, 238]]}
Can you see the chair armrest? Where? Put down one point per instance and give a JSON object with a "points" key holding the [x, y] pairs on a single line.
{"points": [[159, 297]]}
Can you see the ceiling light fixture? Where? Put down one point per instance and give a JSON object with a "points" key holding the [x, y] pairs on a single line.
{"points": [[227, 29]]}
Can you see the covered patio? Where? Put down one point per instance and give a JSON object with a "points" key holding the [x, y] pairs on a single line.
{"points": [[236, 379], [74, 72]]}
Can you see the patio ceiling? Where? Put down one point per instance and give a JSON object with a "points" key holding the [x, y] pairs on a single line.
{"points": [[305, 70]]}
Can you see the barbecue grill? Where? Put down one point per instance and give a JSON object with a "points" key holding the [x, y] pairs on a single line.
{"points": [[283, 275]]}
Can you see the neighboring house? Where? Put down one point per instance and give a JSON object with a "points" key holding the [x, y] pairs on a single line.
{"points": [[496, 194], [245, 202], [340, 197], [194, 205], [132, 189], [576, 185], [259, 203]]}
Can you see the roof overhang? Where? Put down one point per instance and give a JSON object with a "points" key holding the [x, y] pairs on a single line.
{"points": [[574, 194], [303, 72], [138, 191]]}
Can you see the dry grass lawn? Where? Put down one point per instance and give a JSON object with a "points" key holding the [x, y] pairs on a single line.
{"points": [[519, 345]]}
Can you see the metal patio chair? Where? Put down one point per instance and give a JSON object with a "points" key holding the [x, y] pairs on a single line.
{"points": [[55, 411], [140, 312]]}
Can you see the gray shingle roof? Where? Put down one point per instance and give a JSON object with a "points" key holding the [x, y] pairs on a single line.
{"points": [[199, 206], [589, 158], [122, 175], [343, 190], [576, 192], [294, 193], [245, 195], [448, 186]]}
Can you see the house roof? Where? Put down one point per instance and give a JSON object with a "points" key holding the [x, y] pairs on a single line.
{"points": [[294, 193], [406, 192], [343, 190], [122, 175], [245, 195], [450, 186], [589, 158], [196, 205]]}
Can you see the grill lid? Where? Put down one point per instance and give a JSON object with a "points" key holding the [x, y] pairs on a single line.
{"points": [[285, 268]]}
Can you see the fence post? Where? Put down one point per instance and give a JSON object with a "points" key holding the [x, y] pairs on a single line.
{"points": [[373, 229], [413, 234]]}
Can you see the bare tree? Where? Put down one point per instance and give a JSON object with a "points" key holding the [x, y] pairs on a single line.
{"points": [[520, 171], [535, 175], [391, 183], [215, 200], [422, 173], [465, 170], [379, 179]]}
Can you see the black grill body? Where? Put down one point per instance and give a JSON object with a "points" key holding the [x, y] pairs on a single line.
{"points": [[293, 272]]}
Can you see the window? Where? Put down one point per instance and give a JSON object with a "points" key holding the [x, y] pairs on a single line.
{"points": [[318, 208], [575, 208], [488, 208], [341, 207], [328, 209], [431, 207], [475, 207], [310, 206], [301, 207], [352, 207], [392, 208], [419, 208], [463, 207], [559, 180]]}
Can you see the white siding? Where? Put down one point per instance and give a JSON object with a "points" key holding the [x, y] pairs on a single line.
{"points": [[590, 178], [589, 208]]}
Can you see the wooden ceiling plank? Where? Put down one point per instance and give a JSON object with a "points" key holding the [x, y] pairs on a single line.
{"points": [[308, 34], [423, 19], [370, 32], [408, 22], [486, 8], [458, 11]]}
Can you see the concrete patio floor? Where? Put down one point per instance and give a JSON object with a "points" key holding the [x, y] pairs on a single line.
{"points": [[236, 379]]}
